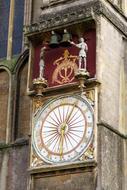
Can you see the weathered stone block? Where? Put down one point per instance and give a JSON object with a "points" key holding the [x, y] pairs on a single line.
{"points": [[110, 158]]}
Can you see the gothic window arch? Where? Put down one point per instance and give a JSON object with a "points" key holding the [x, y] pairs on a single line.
{"points": [[22, 106]]}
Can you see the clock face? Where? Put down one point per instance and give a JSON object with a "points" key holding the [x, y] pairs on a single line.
{"points": [[63, 129]]}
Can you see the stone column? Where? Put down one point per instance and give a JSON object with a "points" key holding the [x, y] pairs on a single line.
{"points": [[27, 12], [10, 29]]}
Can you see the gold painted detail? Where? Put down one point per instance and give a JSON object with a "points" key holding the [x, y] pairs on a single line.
{"points": [[36, 161], [39, 85], [90, 95], [37, 103], [89, 154], [65, 68]]}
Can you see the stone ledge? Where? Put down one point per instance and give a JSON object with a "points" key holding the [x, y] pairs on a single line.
{"points": [[90, 83], [85, 165], [17, 143], [104, 124]]}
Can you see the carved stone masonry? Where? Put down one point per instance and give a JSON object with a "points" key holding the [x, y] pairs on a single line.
{"points": [[76, 13], [52, 2], [63, 17]]}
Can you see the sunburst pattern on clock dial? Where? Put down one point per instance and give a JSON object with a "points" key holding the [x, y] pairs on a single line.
{"points": [[63, 129]]}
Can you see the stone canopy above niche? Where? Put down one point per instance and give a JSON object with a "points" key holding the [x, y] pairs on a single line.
{"points": [[42, 7]]}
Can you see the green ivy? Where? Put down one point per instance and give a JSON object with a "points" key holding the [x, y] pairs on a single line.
{"points": [[10, 64]]}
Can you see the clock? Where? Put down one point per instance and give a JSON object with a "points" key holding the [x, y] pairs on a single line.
{"points": [[63, 129]]}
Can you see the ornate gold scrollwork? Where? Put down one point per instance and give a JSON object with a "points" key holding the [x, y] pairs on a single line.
{"points": [[37, 103], [90, 95], [36, 162], [65, 68]]}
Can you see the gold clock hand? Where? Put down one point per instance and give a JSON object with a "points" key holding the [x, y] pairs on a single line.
{"points": [[61, 142], [71, 112], [63, 127]]}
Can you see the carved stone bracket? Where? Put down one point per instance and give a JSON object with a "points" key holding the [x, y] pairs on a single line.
{"points": [[40, 85], [82, 75]]}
